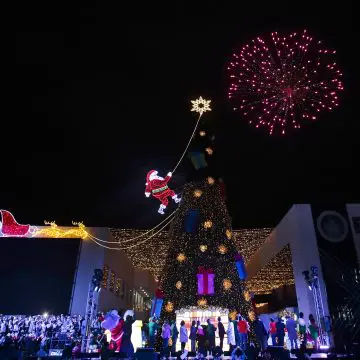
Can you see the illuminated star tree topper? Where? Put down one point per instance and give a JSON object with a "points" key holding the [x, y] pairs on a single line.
{"points": [[200, 105]]}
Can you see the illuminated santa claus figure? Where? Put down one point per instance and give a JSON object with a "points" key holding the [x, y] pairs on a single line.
{"points": [[114, 323], [157, 187]]}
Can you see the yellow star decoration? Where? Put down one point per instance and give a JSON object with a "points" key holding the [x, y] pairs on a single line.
{"points": [[200, 105]]}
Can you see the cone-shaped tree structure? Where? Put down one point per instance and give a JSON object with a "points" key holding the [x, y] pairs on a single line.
{"points": [[201, 236]]}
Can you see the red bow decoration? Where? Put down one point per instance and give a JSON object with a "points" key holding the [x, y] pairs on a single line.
{"points": [[159, 294], [238, 257]]}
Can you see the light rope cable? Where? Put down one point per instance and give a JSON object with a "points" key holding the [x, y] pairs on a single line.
{"points": [[188, 144], [92, 238], [136, 237]]}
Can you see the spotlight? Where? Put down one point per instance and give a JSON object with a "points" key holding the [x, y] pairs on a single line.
{"points": [[45, 314], [315, 272], [97, 279], [306, 274]]}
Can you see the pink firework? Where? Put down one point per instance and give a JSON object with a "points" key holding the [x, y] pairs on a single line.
{"points": [[284, 81]]}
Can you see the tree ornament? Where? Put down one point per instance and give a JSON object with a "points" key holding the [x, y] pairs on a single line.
{"points": [[206, 281], [202, 302], [228, 234], [247, 295], [178, 285], [209, 150], [222, 249], [227, 284], [158, 188], [210, 180], [169, 307], [157, 303], [233, 315], [202, 133], [197, 193], [181, 257], [208, 224], [240, 266], [252, 316], [203, 248], [200, 105]]}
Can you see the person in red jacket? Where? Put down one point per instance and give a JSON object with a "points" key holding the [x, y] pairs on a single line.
{"points": [[243, 328], [272, 331]]}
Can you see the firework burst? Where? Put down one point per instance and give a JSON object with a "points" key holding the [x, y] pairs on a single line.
{"points": [[283, 81]]}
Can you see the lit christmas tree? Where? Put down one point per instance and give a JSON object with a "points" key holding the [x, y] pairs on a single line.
{"points": [[201, 269], [204, 274]]}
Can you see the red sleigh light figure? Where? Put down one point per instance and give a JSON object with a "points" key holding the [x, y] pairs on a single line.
{"points": [[9, 226], [158, 188]]}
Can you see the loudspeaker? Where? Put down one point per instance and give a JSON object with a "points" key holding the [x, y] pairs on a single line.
{"points": [[146, 354]]}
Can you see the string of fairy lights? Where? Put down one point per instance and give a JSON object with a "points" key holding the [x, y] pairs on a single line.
{"points": [[276, 273]]}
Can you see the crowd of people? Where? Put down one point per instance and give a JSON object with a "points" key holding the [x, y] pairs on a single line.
{"points": [[201, 337], [36, 335]]}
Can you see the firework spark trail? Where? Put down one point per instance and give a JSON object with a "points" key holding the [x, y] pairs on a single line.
{"points": [[283, 81]]}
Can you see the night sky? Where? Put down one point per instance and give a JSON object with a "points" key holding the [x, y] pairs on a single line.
{"points": [[102, 94]]}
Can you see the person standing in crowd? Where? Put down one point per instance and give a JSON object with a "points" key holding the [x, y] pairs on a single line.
{"points": [[280, 332], [126, 344], [165, 334], [153, 326], [193, 336], [302, 328], [292, 333], [272, 331], [314, 330], [231, 336], [210, 332], [174, 336], [261, 333], [221, 332], [201, 338], [243, 328], [183, 335]]}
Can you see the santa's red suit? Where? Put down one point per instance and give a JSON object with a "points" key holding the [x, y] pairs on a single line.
{"points": [[157, 187], [117, 333]]}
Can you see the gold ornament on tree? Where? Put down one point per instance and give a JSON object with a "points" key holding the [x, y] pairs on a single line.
{"points": [[202, 302], [181, 257], [197, 193], [228, 234], [178, 285], [169, 307], [227, 284], [251, 315], [208, 224], [203, 248], [233, 314], [222, 249], [210, 180]]}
